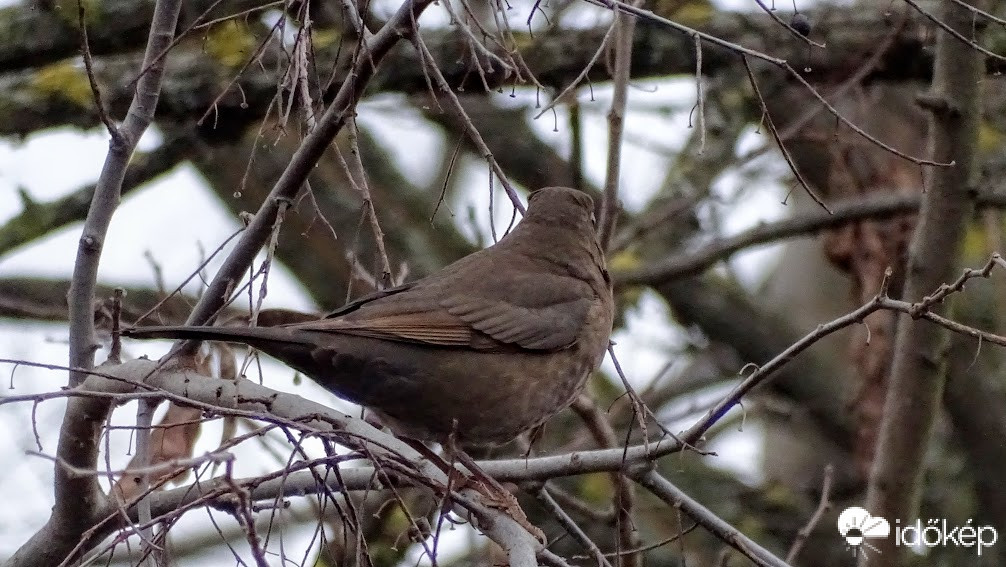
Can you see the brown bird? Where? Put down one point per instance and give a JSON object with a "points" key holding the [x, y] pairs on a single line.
{"points": [[489, 347]]}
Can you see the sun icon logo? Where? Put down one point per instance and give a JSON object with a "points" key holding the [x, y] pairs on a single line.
{"points": [[857, 525]]}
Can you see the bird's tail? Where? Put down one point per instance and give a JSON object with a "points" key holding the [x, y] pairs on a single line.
{"points": [[253, 336]]}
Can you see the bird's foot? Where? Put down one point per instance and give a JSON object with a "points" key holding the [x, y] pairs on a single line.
{"points": [[497, 496], [505, 501]]}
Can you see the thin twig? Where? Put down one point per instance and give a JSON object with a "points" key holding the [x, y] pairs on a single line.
{"points": [[624, 27], [700, 99], [265, 269], [981, 13], [570, 525], [778, 62], [775, 135], [624, 497], [475, 45], [430, 66], [823, 505], [583, 72], [211, 108], [788, 27], [144, 419], [303, 160], [85, 50], [853, 81], [357, 176], [673, 496], [233, 16], [943, 25]]}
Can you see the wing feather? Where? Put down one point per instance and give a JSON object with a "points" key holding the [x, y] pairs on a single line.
{"points": [[544, 313], [436, 327], [541, 328]]}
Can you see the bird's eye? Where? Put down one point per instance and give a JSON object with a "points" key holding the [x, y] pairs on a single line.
{"points": [[593, 219]]}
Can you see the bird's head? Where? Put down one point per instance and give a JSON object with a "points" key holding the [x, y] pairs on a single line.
{"points": [[561, 207]]}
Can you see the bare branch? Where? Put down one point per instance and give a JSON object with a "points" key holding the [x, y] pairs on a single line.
{"points": [[430, 65], [675, 497], [822, 508], [314, 145], [918, 370], [571, 527], [781, 63], [85, 51], [624, 27], [109, 188], [876, 205]]}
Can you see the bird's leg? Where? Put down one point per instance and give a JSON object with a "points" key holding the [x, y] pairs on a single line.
{"points": [[496, 494], [478, 475], [456, 454], [375, 421], [455, 476], [532, 437]]}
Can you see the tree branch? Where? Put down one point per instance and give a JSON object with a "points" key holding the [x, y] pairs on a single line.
{"points": [[674, 497], [372, 51], [108, 190], [918, 371], [875, 206]]}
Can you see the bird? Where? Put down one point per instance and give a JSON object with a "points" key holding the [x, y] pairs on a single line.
{"points": [[487, 348]]}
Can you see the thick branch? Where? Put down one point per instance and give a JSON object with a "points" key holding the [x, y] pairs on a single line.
{"points": [[918, 370], [78, 497], [108, 190], [37, 35], [43, 98], [876, 206]]}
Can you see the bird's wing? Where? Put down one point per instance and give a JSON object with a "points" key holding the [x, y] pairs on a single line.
{"points": [[534, 310], [463, 321], [425, 328], [414, 317], [553, 327]]}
